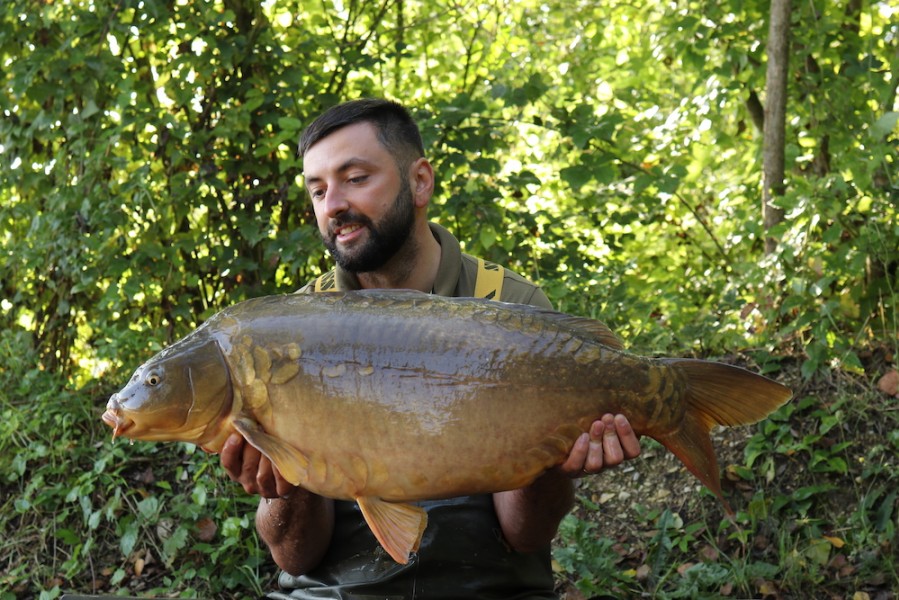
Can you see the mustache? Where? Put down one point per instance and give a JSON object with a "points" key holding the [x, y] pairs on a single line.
{"points": [[347, 218]]}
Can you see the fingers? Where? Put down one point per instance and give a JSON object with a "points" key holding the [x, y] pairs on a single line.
{"points": [[574, 464], [630, 443], [619, 443], [610, 441], [594, 459], [266, 485], [231, 456], [282, 487], [245, 465]]}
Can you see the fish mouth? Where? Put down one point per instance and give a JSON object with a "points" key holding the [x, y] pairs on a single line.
{"points": [[119, 424]]}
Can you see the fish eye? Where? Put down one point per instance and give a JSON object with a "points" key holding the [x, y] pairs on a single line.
{"points": [[153, 379]]}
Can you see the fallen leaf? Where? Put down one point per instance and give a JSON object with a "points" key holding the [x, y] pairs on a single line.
{"points": [[818, 551], [837, 562], [146, 476], [861, 596], [767, 588], [642, 573], [889, 383], [572, 593], [206, 529], [847, 570], [709, 553], [138, 567], [727, 589], [164, 528], [835, 541]]}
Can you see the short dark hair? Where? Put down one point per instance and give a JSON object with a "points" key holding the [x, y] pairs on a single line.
{"points": [[396, 129]]}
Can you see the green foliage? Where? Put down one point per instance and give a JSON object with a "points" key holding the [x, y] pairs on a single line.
{"points": [[609, 151], [588, 557], [80, 512]]}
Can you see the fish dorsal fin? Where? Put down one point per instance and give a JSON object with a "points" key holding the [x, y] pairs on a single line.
{"points": [[398, 527], [595, 328], [291, 463]]}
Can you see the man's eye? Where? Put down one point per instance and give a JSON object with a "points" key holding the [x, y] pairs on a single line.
{"points": [[358, 179]]}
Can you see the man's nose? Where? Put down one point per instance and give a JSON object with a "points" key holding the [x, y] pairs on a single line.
{"points": [[335, 202]]}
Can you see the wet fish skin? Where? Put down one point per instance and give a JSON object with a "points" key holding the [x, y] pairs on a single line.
{"points": [[388, 397]]}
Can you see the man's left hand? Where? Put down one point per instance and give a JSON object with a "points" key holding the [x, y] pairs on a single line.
{"points": [[610, 441]]}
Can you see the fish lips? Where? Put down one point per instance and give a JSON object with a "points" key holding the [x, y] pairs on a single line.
{"points": [[115, 419]]}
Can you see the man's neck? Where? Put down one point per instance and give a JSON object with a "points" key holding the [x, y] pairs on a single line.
{"points": [[413, 267]]}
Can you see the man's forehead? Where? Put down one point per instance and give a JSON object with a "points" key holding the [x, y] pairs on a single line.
{"points": [[353, 145]]}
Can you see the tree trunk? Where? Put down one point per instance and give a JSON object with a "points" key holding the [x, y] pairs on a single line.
{"points": [[775, 116]]}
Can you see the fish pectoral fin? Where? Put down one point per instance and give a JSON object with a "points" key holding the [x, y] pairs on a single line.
{"points": [[291, 463], [398, 527]]}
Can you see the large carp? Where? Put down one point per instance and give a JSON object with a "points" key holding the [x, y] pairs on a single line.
{"points": [[388, 397]]}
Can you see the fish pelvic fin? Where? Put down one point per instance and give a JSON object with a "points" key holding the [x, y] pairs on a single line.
{"points": [[291, 463], [717, 394], [397, 527]]}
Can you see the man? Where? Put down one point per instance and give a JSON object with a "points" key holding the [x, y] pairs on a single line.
{"points": [[370, 186]]}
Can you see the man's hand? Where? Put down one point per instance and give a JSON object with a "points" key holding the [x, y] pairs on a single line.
{"points": [[295, 524], [248, 467], [530, 516], [610, 442]]}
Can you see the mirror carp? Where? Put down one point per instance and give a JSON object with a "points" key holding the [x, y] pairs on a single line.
{"points": [[390, 397]]}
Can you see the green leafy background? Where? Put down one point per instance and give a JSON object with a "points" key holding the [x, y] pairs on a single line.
{"points": [[610, 151]]}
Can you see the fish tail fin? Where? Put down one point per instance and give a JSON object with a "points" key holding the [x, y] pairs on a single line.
{"points": [[717, 394]]}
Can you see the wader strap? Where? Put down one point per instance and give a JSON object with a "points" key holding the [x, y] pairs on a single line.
{"points": [[488, 282], [326, 283]]}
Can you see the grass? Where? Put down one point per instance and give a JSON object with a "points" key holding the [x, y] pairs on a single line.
{"points": [[815, 490], [81, 513]]}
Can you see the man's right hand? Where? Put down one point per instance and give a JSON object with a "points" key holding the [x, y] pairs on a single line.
{"points": [[247, 466], [295, 524]]}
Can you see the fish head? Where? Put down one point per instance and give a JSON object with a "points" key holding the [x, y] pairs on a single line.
{"points": [[181, 394]]}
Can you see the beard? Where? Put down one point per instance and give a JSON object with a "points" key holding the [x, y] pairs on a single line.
{"points": [[385, 238]]}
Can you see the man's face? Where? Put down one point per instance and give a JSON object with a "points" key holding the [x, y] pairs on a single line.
{"points": [[363, 205]]}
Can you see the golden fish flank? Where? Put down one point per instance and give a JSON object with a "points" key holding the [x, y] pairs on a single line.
{"points": [[400, 394]]}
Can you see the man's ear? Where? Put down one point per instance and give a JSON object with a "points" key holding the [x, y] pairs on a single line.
{"points": [[421, 181]]}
